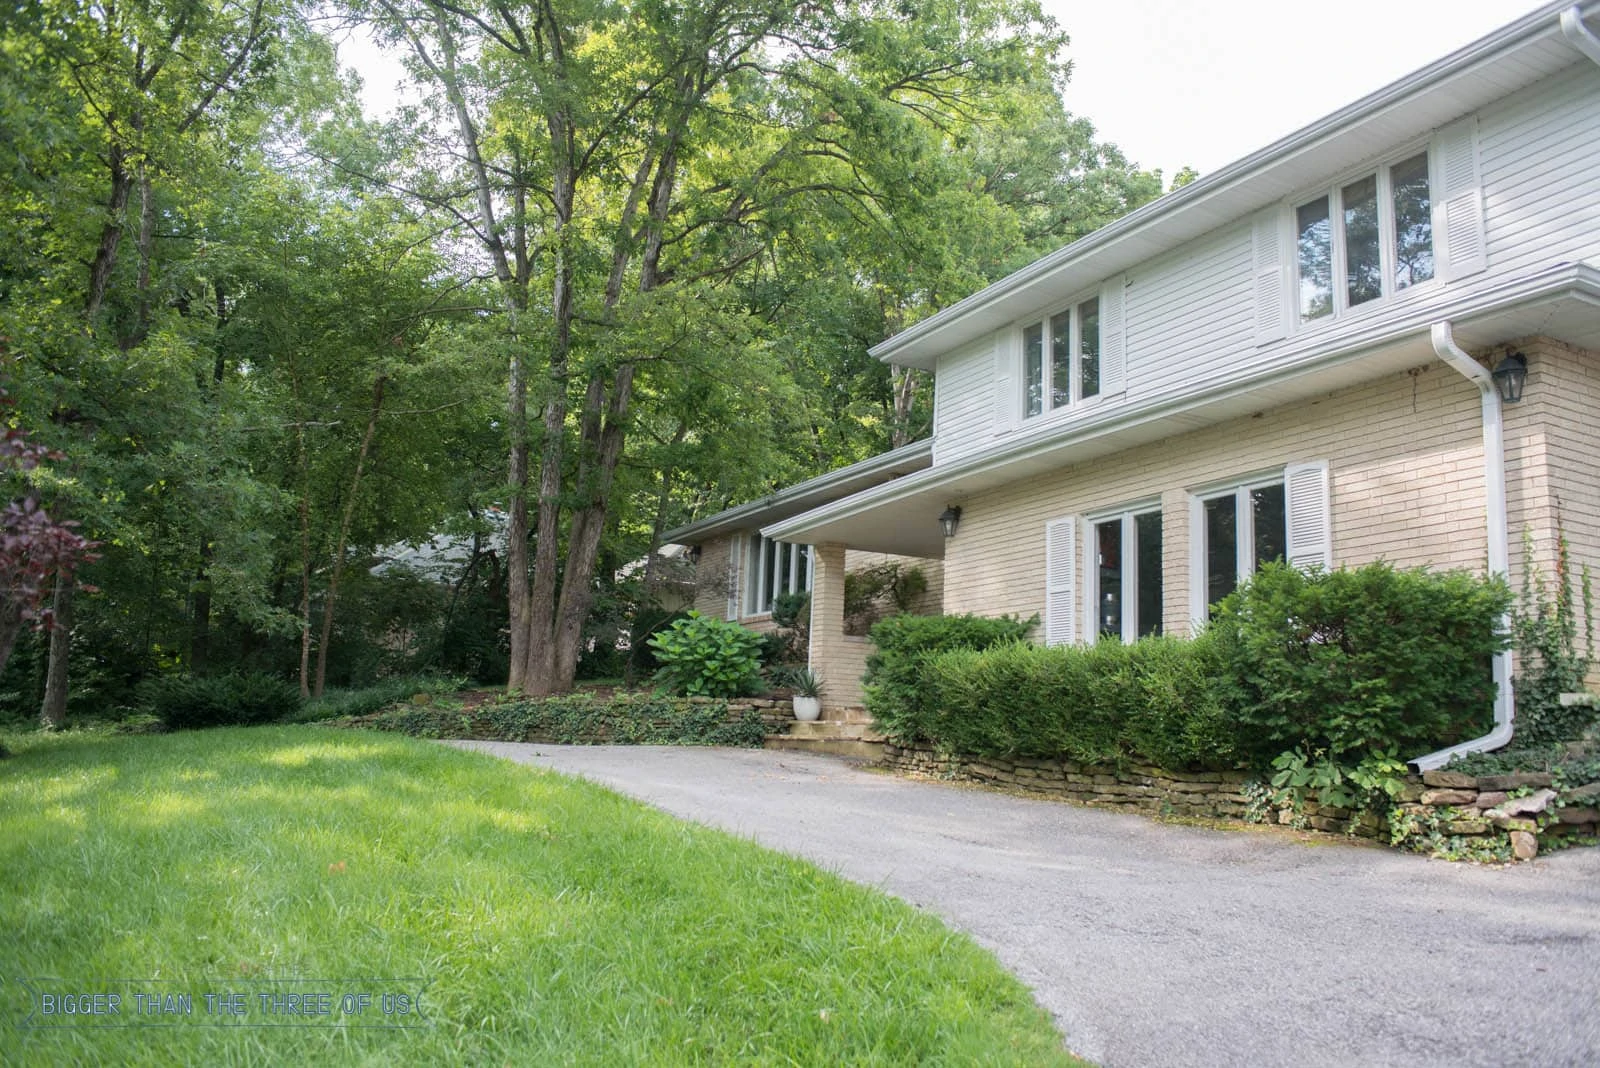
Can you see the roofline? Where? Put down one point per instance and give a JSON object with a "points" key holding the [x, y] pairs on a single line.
{"points": [[746, 516], [1579, 279], [1543, 22]]}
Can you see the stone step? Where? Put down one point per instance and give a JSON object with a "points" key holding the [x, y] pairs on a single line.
{"points": [[822, 728], [854, 748]]}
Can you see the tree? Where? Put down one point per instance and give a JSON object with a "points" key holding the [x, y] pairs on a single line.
{"points": [[617, 156]]}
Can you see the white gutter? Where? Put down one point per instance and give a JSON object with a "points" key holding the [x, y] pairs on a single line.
{"points": [[1494, 481], [1575, 31]]}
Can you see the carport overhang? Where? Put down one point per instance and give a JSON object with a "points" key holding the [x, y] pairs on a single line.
{"points": [[902, 516]]}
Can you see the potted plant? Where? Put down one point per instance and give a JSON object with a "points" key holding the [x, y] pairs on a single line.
{"points": [[807, 695]]}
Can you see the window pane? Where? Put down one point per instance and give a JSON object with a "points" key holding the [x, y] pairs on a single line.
{"points": [[1147, 532], [785, 561], [1033, 368], [1314, 242], [1060, 360], [1089, 347], [804, 575], [1413, 222], [1266, 508], [1363, 269], [1108, 542], [1222, 558]]}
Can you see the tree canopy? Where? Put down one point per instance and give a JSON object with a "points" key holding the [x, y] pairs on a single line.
{"points": [[619, 266]]}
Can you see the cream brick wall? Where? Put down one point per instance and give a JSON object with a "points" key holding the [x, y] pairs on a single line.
{"points": [[1405, 460]]}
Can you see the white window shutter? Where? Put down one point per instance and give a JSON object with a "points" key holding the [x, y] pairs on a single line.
{"points": [[1060, 582], [1271, 277], [1007, 387], [735, 553], [1305, 491], [1458, 234], [1113, 336]]}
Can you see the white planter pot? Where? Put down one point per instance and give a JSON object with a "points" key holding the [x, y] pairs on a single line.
{"points": [[807, 708]]}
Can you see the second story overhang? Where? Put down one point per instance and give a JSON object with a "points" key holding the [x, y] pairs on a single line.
{"points": [[901, 516]]}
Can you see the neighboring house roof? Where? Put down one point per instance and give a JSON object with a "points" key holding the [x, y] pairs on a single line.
{"points": [[1529, 49], [442, 557], [812, 493]]}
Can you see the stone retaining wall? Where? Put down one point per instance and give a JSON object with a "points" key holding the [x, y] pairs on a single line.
{"points": [[776, 712], [1439, 807]]}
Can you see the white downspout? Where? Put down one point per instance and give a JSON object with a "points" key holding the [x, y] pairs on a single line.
{"points": [[1573, 29], [1494, 481]]}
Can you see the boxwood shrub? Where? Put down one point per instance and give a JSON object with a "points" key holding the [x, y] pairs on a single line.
{"points": [[185, 701], [897, 683], [1361, 660], [1156, 700]]}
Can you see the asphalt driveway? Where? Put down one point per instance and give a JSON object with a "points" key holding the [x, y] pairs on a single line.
{"points": [[1166, 945]]}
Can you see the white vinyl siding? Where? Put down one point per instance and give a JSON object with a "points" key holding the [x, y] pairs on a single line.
{"points": [[963, 403], [1187, 314], [1218, 308]]}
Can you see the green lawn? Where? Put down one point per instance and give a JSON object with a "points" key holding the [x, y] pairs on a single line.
{"points": [[552, 921]]}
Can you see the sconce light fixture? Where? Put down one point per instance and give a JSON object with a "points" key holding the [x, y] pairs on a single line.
{"points": [[949, 519], [1509, 375]]}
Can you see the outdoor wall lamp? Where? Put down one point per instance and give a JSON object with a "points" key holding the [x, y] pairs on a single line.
{"points": [[1509, 375], [949, 519]]}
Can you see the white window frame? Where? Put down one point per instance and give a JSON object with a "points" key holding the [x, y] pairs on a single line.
{"points": [[756, 572], [1076, 399], [1386, 235], [1128, 516], [1244, 545]]}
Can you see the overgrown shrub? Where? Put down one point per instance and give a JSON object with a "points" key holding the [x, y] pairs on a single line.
{"points": [[705, 657], [369, 699], [580, 719], [1154, 700], [1544, 628], [870, 592], [1358, 661], [897, 684], [185, 701]]}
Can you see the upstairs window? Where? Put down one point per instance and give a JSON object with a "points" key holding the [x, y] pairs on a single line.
{"points": [[1061, 359], [774, 567], [1364, 240]]}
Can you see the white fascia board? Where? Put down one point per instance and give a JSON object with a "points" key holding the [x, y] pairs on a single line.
{"points": [[1165, 221], [1578, 280], [834, 484]]}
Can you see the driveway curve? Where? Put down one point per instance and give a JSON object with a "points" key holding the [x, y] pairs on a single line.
{"points": [[1156, 944]]}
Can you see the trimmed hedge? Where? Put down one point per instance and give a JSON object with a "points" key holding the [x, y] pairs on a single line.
{"points": [[1351, 663], [1360, 661], [897, 685], [1156, 700]]}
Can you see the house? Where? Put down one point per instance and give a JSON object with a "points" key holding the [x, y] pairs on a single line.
{"points": [[1302, 355]]}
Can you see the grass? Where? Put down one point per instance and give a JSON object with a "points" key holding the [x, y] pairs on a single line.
{"points": [[554, 922]]}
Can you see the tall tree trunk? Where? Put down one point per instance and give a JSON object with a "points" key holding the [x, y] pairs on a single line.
{"points": [[331, 599], [53, 712], [105, 256], [305, 539], [146, 248]]}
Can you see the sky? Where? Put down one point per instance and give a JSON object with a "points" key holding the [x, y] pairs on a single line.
{"points": [[1178, 83]]}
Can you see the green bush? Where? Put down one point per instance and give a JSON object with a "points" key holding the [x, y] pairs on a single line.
{"points": [[581, 719], [705, 657], [184, 701], [1106, 703], [897, 684], [369, 699], [1359, 661]]}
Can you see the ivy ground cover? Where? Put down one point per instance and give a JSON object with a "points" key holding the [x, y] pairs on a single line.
{"points": [[525, 918]]}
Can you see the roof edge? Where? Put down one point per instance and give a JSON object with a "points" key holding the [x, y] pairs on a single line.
{"points": [[747, 515]]}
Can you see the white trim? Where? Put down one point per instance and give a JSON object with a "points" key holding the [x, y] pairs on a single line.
{"points": [[1060, 581]]}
